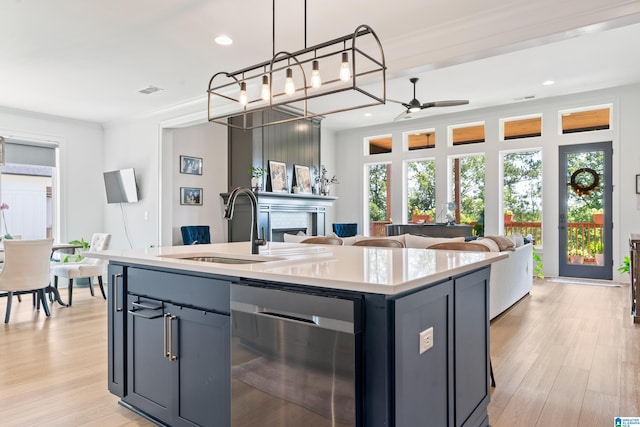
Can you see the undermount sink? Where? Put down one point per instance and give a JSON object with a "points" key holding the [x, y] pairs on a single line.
{"points": [[222, 259]]}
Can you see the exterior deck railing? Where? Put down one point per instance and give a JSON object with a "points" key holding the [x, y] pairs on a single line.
{"points": [[581, 236]]}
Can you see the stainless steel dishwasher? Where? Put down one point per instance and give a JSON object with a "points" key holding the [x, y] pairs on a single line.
{"points": [[293, 357]]}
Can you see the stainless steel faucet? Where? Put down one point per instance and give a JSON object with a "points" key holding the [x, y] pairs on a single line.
{"points": [[228, 214]]}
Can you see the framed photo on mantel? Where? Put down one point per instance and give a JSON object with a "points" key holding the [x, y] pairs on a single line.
{"points": [[278, 175], [303, 178]]}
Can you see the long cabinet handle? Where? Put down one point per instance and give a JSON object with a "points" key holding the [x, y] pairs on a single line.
{"points": [[167, 353], [115, 292], [168, 336]]}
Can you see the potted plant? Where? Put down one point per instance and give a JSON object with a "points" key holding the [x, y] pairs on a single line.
{"points": [[598, 216], [257, 172], [508, 216], [625, 267], [597, 249], [420, 216], [576, 256], [537, 263]]}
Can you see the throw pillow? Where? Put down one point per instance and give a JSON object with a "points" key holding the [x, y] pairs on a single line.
{"points": [[504, 243], [493, 246], [421, 242]]}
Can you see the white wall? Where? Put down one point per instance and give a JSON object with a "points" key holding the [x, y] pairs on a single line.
{"points": [[78, 188], [209, 142], [624, 133], [138, 143]]}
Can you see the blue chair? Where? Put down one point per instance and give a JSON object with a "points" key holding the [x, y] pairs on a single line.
{"points": [[195, 234], [345, 229]]}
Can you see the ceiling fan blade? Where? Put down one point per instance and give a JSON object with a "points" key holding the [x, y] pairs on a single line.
{"points": [[450, 103], [406, 114]]}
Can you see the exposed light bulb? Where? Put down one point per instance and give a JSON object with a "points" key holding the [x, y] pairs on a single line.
{"points": [[316, 81], [242, 100], [345, 71], [265, 93], [289, 86]]}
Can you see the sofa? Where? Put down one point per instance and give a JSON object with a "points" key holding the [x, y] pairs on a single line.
{"points": [[511, 278]]}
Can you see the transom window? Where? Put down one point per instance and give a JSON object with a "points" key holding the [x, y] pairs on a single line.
{"points": [[419, 140], [379, 144], [472, 133], [524, 127], [586, 120]]}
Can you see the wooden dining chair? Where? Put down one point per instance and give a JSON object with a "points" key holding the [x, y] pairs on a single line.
{"points": [[26, 270], [323, 240], [380, 243]]}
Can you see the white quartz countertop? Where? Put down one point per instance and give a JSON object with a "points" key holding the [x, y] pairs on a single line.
{"points": [[364, 269]]}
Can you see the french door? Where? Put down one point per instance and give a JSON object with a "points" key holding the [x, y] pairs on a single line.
{"points": [[585, 225]]}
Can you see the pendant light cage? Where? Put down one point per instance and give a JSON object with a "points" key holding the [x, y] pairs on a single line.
{"points": [[362, 84]]}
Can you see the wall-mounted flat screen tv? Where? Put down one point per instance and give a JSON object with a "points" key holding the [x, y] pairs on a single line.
{"points": [[121, 186]]}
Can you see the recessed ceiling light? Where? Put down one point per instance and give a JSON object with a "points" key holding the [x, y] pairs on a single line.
{"points": [[368, 114], [548, 82], [223, 40]]}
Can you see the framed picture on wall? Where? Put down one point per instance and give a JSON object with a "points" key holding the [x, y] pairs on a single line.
{"points": [[278, 175], [191, 196], [191, 165], [303, 178]]}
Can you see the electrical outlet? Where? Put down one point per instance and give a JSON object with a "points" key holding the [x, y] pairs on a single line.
{"points": [[426, 340]]}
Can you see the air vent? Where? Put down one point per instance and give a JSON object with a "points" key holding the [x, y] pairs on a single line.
{"points": [[150, 89], [524, 98]]}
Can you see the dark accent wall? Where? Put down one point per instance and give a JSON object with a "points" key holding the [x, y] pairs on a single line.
{"points": [[296, 142]]}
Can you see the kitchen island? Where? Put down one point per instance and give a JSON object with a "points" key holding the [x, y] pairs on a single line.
{"points": [[300, 335]]}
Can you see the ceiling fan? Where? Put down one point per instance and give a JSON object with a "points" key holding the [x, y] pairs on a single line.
{"points": [[414, 105]]}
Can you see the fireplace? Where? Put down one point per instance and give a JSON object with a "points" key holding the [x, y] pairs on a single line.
{"points": [[280, 213]]}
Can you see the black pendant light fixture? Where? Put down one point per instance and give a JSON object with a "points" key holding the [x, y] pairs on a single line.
{"points": [[313, 82]]}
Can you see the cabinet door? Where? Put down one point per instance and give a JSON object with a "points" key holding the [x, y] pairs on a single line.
{"points": [[199, 343], [472, 348], [116, 318], [423, 395], [149, 371]]}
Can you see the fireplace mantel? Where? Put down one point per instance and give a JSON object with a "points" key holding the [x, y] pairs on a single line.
{"points": [[299, 211]]}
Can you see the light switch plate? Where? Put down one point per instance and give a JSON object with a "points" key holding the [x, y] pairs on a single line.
{"points": [[426, 340]]}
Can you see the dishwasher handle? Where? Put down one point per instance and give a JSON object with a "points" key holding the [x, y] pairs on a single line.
{"points": [[287, 317]]}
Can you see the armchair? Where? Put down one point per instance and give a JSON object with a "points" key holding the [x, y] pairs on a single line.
{"points": [[195, 234]]}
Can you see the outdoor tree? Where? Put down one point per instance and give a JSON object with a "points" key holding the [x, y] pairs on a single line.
{"points": [[378, 175], [522, 194], [421, 183]]}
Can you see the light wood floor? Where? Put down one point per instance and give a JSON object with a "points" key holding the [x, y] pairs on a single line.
{"points": [[566, 355]]}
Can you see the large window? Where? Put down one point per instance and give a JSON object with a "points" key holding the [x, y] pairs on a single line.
{"points": [[421, 191], [27, 187], [522, 193], [466, 202], [379, 178]]}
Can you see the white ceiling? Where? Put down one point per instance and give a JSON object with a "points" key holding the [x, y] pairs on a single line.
{"points": [[87, 59]]}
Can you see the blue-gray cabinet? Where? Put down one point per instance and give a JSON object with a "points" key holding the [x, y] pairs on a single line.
{"points": [[169, 349]]}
